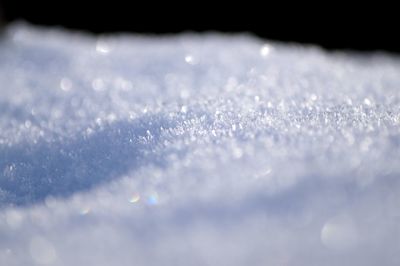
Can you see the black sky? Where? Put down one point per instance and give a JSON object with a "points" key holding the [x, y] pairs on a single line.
{"points": [[331, 26]]}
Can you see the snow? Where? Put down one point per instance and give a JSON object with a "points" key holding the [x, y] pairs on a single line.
{"points": [[195, 149]]}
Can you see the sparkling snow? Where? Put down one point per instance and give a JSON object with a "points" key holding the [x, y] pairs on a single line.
{"points": [[195, 149]]}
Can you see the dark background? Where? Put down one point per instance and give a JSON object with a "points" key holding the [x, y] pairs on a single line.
{"points": [[375, 27]]}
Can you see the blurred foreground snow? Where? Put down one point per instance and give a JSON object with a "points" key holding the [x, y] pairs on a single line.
{"points": [[195, 150]]}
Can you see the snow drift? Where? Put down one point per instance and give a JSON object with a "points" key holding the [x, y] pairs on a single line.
{"points": [[195, 149]]}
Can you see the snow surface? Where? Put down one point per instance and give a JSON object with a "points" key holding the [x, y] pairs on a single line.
{"points": [[195, 149]]}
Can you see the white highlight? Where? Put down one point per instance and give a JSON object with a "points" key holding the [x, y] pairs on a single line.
{"points": [[339, 234]]}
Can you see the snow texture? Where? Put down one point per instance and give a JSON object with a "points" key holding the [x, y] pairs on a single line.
{"points": [[195, 149]]}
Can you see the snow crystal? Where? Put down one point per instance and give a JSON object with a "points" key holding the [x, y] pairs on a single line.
{"points": [[195, 149]]}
